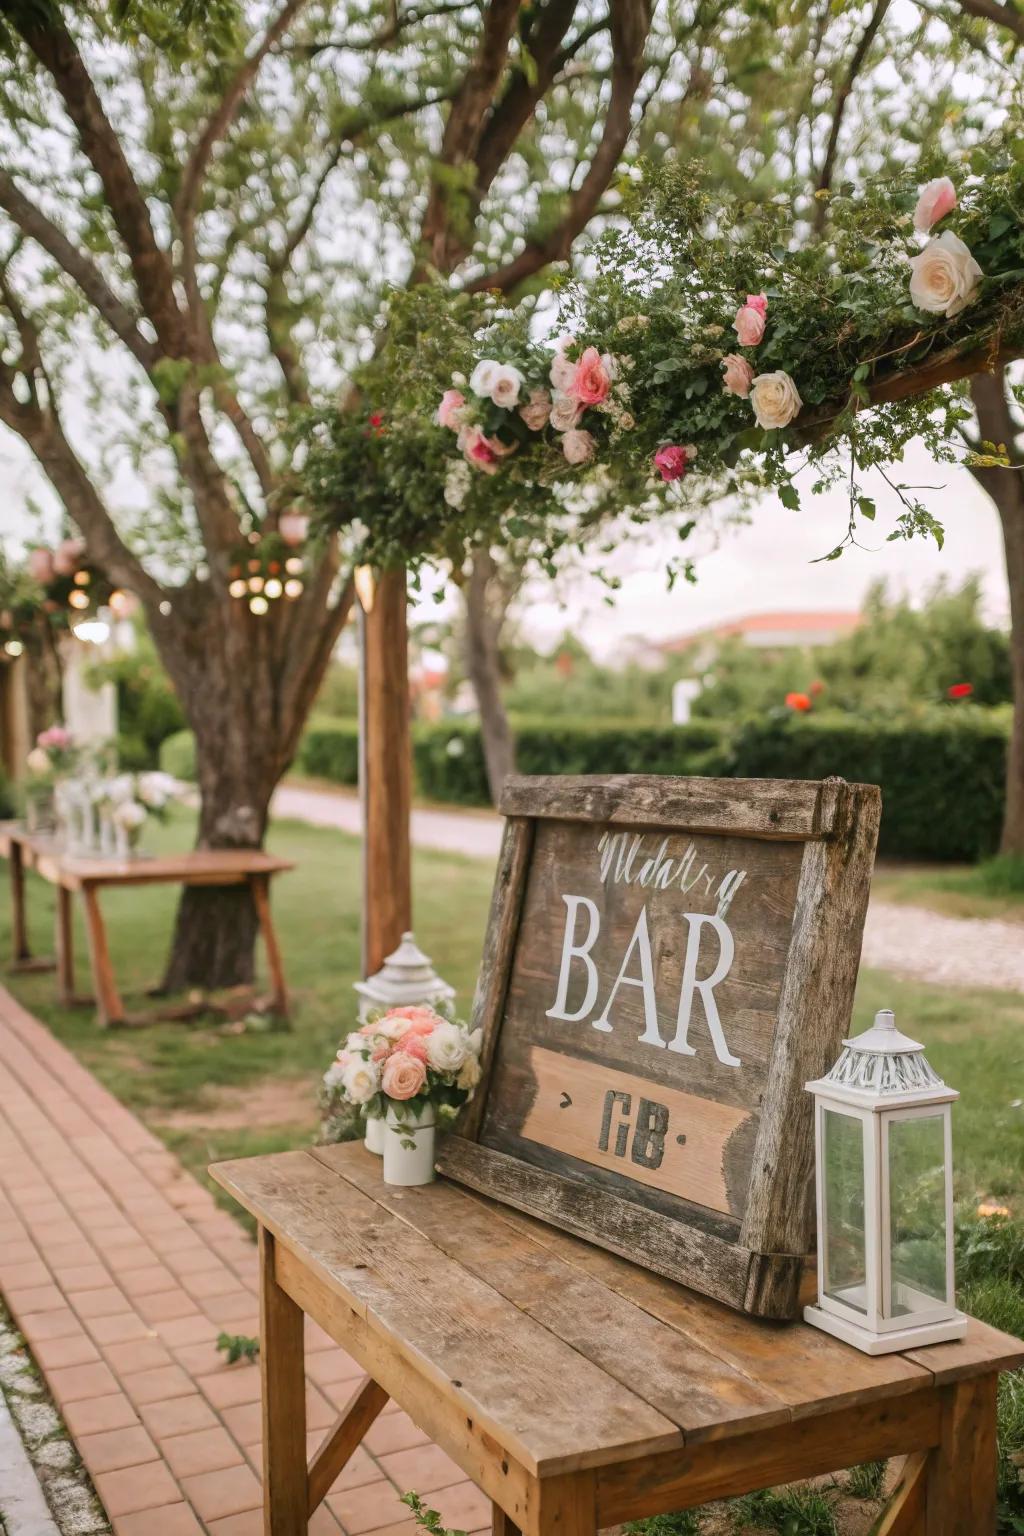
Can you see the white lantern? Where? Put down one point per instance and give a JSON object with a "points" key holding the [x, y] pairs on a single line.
{"points": [[885, 1196]]}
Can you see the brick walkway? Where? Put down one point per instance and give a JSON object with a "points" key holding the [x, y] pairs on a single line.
{"points": [[120, 1270]]}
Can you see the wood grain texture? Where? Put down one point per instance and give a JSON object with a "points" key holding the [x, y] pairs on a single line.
{"points": [[775, 808], [496, 962], [701, 1393], [903, 1514], [283, 1376], [808, 1447], [385, 779], [814, 1014], [961, 1475], [506, 1372], [339, 1444]]}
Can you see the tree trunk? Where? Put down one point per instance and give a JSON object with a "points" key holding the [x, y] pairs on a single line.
{"points": [[1006, 488], [487, 603]]}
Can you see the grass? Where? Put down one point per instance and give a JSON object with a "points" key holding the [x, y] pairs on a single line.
{"points": [[994, 888], [213, 1093]]}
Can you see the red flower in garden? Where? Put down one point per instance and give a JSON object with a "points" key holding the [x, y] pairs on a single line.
{"points": [[377, 423], [798, 701], [959, 690], [817, 687]]}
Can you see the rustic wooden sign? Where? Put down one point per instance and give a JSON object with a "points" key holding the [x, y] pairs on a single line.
{"points": [[667, 962]]}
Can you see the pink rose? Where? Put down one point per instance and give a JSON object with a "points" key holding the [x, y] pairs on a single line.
{"points": [[449, 412], [403, 1076], [422, 1020], [592, 379], [579, 447], [54, 736], [40, 566], [737, 375], [750, 319], [936, 200], [481, 451], [68, 555], [672, 460], [412, 1044], [537, 409], [563, 369]]}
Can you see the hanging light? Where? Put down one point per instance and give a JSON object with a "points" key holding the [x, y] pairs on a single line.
{"points": [[293, 565], [14, 648], [81, 578], [366, 587], [255, 583], [258, 604], [121, 603], [78, 598], [273, 587], [293, 587], [237, 588]]}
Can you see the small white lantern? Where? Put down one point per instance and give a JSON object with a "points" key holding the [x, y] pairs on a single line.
{"points": [[406, 979], [885, 1196]]}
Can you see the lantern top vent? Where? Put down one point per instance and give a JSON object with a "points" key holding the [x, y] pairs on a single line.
{"points": [[883, 1067]]}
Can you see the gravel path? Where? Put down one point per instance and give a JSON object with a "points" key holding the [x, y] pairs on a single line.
{"points": [[909, 941]]}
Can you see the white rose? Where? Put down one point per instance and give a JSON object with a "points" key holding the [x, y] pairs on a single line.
{"points": [[129, 814], [446, 1048], [776, 399], [482, 379], [38, 760], [121, 789], [563, 370], [334, 1077], [360, 1080], [565, 411], [579, 447], [390, 1028], [945, 276], [506, 383]]}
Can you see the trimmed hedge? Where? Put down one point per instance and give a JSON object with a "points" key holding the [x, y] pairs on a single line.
{"points": [[941, 776], [178, 755]]}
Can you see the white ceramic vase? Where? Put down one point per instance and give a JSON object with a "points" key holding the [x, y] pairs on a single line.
{"points": [[375, 1133], [409, 1145]]}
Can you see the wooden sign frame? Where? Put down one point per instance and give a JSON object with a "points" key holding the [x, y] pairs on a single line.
{"points": [[756, 1264]]}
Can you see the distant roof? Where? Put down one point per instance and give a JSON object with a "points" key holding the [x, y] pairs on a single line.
{"points": [[810, 622]]}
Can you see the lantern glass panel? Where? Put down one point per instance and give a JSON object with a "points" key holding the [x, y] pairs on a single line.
{"points": [[917, 1214], [845, 1276]]}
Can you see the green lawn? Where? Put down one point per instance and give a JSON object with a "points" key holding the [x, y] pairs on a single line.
{"points": [[992, 889], [202, 1086]]}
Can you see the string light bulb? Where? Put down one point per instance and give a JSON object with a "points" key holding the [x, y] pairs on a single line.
{"points": [[293, 587], [255, 583], [81, 578], [14, 648], [273, 587], [78, 598], [238, 588], [258, 604], [293, 565]]}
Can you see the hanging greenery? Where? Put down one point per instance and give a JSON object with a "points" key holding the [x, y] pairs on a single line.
{"points": [[721, 345]]}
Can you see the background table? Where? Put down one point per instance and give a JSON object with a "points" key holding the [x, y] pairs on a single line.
{"points": [[576, 1389], [71, 873]]}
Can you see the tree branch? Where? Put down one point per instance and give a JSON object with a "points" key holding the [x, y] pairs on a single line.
{"points": [[630, 22], [55, 49], [1001, 15], [856, 63], [80, 267]]}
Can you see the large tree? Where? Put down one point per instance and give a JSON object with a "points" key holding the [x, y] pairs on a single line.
{"points": [[199, 221]]}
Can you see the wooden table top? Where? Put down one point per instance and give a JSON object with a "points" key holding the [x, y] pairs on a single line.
{"points": [[568, 1355], [196, 866]]}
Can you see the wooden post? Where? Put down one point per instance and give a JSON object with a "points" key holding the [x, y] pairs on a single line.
{"points": [[282, 1369], [385, 766]]}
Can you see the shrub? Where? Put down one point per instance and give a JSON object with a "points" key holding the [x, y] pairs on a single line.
{"points": [[942, 777], [132, 753], [147, 706], [330, 750], [178, 755]]}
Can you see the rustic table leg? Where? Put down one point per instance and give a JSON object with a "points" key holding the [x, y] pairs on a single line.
{"points": [[64, 938], [109, 1008], [22, 952], [501, 1524], [260, 887], [340, 1443], [961, 1487], [567, 1505], [282, 1367]]}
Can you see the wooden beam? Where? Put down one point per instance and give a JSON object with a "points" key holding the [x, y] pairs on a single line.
{"points": [[338, 1445], [385, 768], [903, 1515]]}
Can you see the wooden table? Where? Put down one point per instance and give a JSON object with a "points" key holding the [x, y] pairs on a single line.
{"points": [[575, 1389], [74, 873]]}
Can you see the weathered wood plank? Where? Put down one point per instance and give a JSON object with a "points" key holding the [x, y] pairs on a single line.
{"points": [[814, 1012], [506, 1372], [960, 1495], [710, 1264], [340, 1443], [496, 962], [673, 1372], [775, 808], [808, 1447], [981, 1350]]}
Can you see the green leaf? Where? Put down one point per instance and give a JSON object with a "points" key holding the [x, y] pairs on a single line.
{"points": [[790, 497], [866, 507]]}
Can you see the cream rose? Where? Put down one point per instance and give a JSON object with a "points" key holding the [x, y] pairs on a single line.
{"points": [[776, 399], [505, 385], [446, 1048], [469, 1073], [565, 411], [360, 1080], [38, 760], [579, 447], [945, 276], [537, 409], [563, 371]]}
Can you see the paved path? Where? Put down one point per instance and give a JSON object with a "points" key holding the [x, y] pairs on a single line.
{"points": [[120, 1271], [910, 941]]}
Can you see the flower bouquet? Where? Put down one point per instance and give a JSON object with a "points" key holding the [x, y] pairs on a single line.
{"points": [[407, 1072], [125, 803], [53, 758]]}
